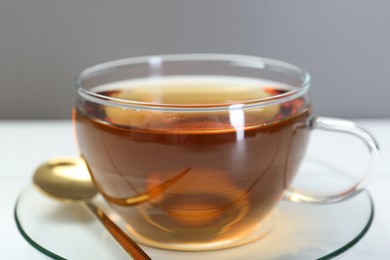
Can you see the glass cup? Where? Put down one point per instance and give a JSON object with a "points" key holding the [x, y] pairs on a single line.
{"points": [[194, 151]]}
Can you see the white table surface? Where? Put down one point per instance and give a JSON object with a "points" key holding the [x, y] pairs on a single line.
{"points": [[25, 144]]}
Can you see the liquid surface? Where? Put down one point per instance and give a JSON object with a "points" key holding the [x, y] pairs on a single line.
{"points": [[193, 178], [191, 89]]}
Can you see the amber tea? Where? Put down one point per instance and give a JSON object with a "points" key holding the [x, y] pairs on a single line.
{"points": [[192, 176]]}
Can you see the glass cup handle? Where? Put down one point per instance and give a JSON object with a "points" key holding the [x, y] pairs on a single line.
{"points": [[341, 126]]}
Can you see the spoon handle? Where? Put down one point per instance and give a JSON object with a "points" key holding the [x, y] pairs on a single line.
{"points": [[121, 237]]}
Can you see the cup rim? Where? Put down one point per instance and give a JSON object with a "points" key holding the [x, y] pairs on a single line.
{"points": [[241, 60]]}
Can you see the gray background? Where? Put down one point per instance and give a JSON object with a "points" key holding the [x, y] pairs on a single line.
{"points": [[44, 44]]}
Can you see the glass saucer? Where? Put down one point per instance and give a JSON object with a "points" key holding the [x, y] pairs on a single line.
{"points": [[68, 231]]}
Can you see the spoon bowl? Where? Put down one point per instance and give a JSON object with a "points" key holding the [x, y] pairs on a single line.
{"points": [[65, 178]]}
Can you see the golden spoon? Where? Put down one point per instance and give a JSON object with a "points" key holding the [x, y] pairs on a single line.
{"points": [[68, 179]]}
